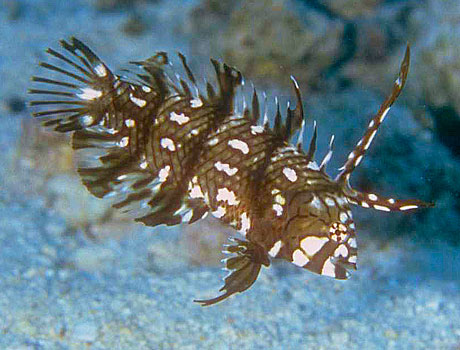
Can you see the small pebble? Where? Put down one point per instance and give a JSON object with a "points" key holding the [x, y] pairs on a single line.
{"points": [[84, 332], [92, 258]]}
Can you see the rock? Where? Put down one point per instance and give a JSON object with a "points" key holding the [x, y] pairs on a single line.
{"points": [[85, 332], [92, 258], [271, 39], [114, 5], [202, 241], [351, 9], [71, 199]]}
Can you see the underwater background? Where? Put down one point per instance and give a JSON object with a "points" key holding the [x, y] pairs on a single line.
{"points": [[74, 274]]}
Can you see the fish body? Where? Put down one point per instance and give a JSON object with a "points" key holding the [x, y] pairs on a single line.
{"points": [[169, 151]]}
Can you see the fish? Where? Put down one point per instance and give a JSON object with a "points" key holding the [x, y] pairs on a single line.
{"points": [[169, 150]]}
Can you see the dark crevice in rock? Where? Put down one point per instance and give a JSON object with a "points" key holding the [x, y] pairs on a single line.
{"points": [[447, 127], [316, 5], [347, 51]]}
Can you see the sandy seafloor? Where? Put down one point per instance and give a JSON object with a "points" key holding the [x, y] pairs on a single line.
{"points": [[405, 296]]}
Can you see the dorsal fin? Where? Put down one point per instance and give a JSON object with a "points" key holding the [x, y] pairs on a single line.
{"points": [[255, 106], [228, 79], [295, 117], [155, 67], [312, 147]]}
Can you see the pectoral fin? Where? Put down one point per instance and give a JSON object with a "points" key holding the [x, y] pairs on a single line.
{"points": [[244, 268]]}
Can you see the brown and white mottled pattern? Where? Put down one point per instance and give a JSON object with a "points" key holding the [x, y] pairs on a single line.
{"points": [[168, 152]]}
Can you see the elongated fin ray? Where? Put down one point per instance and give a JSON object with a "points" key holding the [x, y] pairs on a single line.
{"points": [[356, 156], [295, 117], [228, 79], [371, 200], [300, 136], [266, 121], [255, 106], [328, 155], [156, 77], [187, 68], [278, 125], [312, 147]]}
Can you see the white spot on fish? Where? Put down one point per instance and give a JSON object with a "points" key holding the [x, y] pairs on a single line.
{"points": [[256, 129], [328, 268], [290, 174], [373, 197], [330, 202], [87, 120], [352, 243], [312, 244], [371, 138], [352, 259], [89, 94], [179, 118], [168, 143], [278, 208], [146, 88], [187, 216], [341, 251], [275, 249], [223, 194], [316, 203], [365, 205], [358, 160], [239, 145], [143, 165], [384, 114], [219, 213], [164, 173], [195, 191], [313, 166], [195, 103], [225, 168], [391, 201], [343, 217], [138, 101], [213, 141], [407, 207], [130, 123], [124, 141], [381, 207], [280, 199], [299, 258], [245, 223], [100, 70]]}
